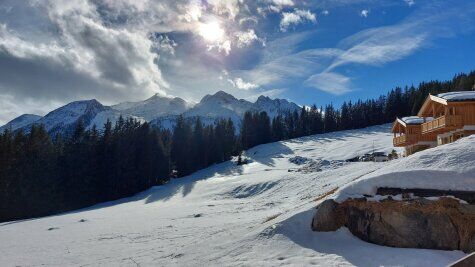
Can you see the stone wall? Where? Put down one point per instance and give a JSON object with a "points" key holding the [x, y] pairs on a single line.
{"points": [[419, 223]]}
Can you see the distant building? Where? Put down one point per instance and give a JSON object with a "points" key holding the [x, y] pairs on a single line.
{"points": [[442, 119], [380, 157]]}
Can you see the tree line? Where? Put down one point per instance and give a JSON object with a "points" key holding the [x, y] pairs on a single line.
{"points": [[42, 175]]}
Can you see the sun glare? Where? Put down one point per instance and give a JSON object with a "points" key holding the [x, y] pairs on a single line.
{"points": [[211, 32]]}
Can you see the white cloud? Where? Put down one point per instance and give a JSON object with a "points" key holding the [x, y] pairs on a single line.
{"points": [[229, 8], [410, 2], [298, 16], [274, 6], [224, 47], [326, 12], [241, 84], [381, 45], [364, 13], [246, 38], [330, 82], [163, 44], [249, 20]]}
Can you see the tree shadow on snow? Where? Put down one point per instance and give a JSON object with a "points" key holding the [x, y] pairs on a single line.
{"points": [[357, 252], [164, 192], [266, 154], [186, 184]]}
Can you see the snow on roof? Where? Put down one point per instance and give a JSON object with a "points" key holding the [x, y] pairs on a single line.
{"points": [[415, 119], [447, 167], [458, 96]]}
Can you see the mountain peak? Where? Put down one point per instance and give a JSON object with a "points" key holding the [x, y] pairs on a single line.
{"points": [[263, 98], [219, 96]]}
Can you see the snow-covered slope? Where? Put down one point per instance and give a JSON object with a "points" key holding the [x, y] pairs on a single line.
{"points": [[154, 107], [20, 122], [257, 214], [448, 167]]}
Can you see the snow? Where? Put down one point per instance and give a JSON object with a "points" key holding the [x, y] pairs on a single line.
{"points": [[458, 96], [415, 120], [447, 167], [65, 116], [154, 107], [257, 214], [21, 121], [101, 118], [158, 110]]}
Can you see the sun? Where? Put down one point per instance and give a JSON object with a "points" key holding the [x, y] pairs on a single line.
{"points": [[211, 32]]}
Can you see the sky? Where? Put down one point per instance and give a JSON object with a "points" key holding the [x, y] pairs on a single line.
{"points": [[53, 52]]}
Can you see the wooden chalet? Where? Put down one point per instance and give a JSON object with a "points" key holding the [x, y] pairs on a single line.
{"points": [[408, 134], [442, 119]]}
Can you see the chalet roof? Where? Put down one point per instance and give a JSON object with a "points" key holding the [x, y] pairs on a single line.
{"points": [[458, 96], [414, 120], [444, 99], [411, 120]]}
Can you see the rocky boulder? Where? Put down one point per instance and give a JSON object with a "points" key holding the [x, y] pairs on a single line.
{"points": [[416, 223], [327, 217]]}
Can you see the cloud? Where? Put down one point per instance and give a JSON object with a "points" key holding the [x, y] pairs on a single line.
{"points": [[319, 67], [383, 46], [410, 2], [364, 13], [295, 17], [274, 6], [326, 12], [107, 62], [56, 51], [281, 66], [330, 82], [241, 84], [246, 38]]}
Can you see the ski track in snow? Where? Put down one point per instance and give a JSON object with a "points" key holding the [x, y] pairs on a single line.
{"points": [[258, 214]]}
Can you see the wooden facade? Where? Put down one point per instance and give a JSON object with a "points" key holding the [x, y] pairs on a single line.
{"points": [[443, 119], [408, 134]]}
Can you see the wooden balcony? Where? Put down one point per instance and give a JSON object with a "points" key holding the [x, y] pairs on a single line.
{"points": [[442, 123], [400, 140]]}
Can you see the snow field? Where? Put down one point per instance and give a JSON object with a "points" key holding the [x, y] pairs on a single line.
{"points": [[257, 214]]}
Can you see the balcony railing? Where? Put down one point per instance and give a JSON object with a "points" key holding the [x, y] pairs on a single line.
{"points": [[399, 140], [442, 122]]}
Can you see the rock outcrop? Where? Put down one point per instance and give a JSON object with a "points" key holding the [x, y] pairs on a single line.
{"points": [[417, 223]]}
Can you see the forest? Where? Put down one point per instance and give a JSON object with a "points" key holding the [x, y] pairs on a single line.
{"points": [[42, 175]]}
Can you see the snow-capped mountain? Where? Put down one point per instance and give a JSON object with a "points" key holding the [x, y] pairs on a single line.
{"points": [[274, 107], [158, 110], [64, 119], [154, 107], [222, 105], [21, 121], [219, 105]]}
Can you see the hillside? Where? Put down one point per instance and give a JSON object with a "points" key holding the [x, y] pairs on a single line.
{"points": [[255, 214]]}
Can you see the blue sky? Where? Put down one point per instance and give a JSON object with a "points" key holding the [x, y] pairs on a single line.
{"points": [[56, 51]]}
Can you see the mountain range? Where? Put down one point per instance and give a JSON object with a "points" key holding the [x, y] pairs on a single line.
{"points": [[160, 111]]}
